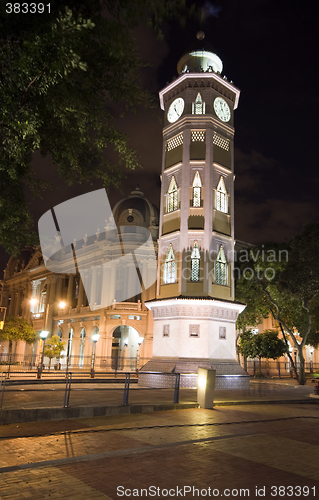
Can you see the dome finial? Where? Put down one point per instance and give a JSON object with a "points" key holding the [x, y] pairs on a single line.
{"points": [[199, 58]]}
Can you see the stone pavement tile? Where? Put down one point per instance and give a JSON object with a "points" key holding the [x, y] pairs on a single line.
{"points": [[156, 436], [39, 428], [303, 431], [199, 465], [18, 451], [276, 452], [37, 449], [47, 483], [266, 410]]}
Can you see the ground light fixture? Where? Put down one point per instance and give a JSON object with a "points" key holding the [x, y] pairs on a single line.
{"points": [[202, 382], [206, 387]]}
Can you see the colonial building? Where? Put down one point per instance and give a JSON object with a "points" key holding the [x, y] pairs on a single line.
{"points": [[57, 302]]}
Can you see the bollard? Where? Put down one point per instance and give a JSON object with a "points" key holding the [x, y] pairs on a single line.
{"points": [[126, 389], [206, 387], [3, 389], [67, 390], [9, 366], [176, 390]]}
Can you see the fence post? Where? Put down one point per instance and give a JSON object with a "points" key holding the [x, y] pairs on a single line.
{"points": [[9, 366], [126, 389], [67, 390], [176, 390], [3, 383]]}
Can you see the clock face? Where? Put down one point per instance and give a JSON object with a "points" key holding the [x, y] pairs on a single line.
{"points": [[175, 110], [222, 109]]}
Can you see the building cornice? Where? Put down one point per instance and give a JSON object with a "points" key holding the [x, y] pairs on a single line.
{"points": [[192, 76], [197, 121]]}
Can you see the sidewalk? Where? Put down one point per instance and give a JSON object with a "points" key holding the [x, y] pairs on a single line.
{"points": [[46, 402], [227, 452]]}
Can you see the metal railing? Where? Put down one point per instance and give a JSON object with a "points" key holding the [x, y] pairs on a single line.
{"points": [[123, 382], [267, 368], [32, 362]]}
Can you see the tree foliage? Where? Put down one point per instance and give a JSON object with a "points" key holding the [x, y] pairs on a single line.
{"points": [[284, 282], [60, 75], [261, 345], [53, 347], [15, 329]]}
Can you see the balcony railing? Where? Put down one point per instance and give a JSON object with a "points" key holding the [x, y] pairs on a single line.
{"points": [[36, 316], [129, 306]]}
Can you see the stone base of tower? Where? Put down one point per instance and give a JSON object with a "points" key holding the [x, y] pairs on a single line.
{"points": [[191, 333], [229, 374]]}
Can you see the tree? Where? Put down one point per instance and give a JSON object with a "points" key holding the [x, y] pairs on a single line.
{"points": [[61, 74], [15, 329], [53, 348], [261, 345], [286, 288]]}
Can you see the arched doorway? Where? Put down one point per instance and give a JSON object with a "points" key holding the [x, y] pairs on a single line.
{"points": [[116, 349], [126, 342]]}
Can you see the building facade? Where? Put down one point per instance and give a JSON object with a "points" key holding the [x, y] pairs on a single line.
{"points": [[57, 302]]}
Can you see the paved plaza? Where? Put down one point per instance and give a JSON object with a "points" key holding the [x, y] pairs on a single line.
{"points": [[233, 451]]}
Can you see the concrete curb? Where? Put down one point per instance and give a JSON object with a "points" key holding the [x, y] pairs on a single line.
{"points": [[275, 384], [266, 402], [49, 414], [41, 414]]}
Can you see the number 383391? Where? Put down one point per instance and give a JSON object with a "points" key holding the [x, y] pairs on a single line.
{"points": [[27, 8]]}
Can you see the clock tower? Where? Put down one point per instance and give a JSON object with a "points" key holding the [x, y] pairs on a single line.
{"points": [[195, 309]]}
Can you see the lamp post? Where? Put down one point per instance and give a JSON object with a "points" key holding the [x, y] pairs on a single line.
{"points": [[61, 304], [95, 338], [139, 342], [45, 333], [43, 336]]}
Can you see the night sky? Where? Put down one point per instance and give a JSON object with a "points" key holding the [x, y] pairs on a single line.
{"points": [[269, 49]]}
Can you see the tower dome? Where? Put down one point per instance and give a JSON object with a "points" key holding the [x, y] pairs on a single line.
{"points": [[200, 57], [136, 210]]}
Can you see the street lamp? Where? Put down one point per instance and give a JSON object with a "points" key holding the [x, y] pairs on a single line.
{"points": [[43, 336], [139, 342], [95, 338]]}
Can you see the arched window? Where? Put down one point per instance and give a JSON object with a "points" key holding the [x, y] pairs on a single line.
{"points": [[170, 267], [195, 260], [221, 198], [198, 107], [43, 299], [172, 199], [221, 274], [82, 346], [197, 187]]}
